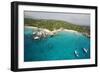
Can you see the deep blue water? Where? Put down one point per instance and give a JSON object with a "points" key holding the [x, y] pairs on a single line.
{"points": [[62, 46]]}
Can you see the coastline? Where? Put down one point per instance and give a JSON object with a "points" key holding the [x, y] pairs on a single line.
{"points": [[54, 31], [48, 32]]}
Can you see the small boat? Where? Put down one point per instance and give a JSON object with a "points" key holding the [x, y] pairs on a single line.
{"points": [[85, 50], [34, 33], [76, 53], [36, 38]]}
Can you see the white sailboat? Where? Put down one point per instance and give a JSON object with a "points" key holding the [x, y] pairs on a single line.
{"points": [[34, 33], [76, 53], [36, 37], [85, 50]]}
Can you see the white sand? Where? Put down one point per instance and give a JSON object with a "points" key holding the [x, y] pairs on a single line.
{"points": [[51, 32], [30, 27]]}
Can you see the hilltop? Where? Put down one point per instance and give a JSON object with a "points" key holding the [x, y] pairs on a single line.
{"points": [[56, 24]]}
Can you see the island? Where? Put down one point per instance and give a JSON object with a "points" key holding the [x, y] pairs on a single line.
{"points": [[49, 27]]}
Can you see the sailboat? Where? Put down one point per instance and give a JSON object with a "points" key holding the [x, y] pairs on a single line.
{"points": [[76, 53], [85, 50], [36, 37]]}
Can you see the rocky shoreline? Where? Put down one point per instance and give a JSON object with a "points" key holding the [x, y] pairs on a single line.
{"points": [[42, 33], [86, 34]]}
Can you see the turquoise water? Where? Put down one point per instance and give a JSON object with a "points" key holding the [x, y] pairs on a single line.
{"points": [[62, 46]]}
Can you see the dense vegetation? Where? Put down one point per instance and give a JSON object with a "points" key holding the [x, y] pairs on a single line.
{"points": [[56, 24]]}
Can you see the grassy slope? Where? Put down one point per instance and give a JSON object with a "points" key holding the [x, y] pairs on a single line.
{"points": [[56, 24]]}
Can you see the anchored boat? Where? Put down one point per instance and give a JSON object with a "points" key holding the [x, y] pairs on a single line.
{"points": [[85, 50], [76, 53]]}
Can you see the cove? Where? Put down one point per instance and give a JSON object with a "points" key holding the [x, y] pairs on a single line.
{"points": [[61, 46]]}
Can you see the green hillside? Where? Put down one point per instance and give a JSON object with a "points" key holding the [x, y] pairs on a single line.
{"points": [[56, 24]]}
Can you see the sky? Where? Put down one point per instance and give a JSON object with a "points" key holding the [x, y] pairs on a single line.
{"points": [[75, 18]]}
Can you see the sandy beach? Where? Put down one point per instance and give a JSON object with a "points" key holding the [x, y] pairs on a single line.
{"points": [[51, 32]]}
